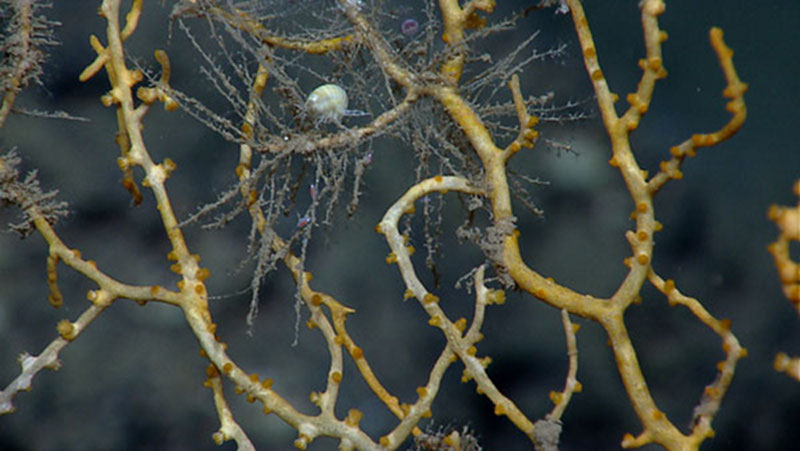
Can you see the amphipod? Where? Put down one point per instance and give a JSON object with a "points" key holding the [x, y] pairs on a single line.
{"points": [[327, 103]]}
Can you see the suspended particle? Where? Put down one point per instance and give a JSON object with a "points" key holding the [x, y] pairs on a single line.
{"points": [[409, 27]]}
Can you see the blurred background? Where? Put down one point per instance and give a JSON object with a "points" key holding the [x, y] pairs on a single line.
{"points": [[133, 380]]}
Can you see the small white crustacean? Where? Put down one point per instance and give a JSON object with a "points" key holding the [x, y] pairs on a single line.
{"points": [[327, 103]]}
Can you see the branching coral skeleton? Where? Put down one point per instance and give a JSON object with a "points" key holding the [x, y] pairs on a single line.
{"points": [[329, 315]]}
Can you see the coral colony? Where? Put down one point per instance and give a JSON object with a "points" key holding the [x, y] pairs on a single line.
{"points": [[421, 94]]}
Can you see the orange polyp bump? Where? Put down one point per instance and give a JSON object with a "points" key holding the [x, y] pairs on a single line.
{"points": [[700, 140], [669, 285], [725, 324], [422, 392], [107, 100], [430, 298], [199, 289], [203, 274], [642, 207], [266, 384], [712, 392], [169, 165], [227, 368], [531, 135], [658, 415], [171, 255], [175, 267], [254, 378], [642, 235], [147, 95], [212, 328], [496, 297], [378, 229], [408, 294], [589, 52], [356, 352], [211, 371], [353, 417], [247, 129], [655, 64], [643, 259], [613, 162], [499, 409], [627, 439], [240, 170], [435, 321], [391, 258], [438, 179], [663, 36], [316, 300], [556, 397], [472, 350], [66, 329], [336, 377], [597, 75], [461, 324]]}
